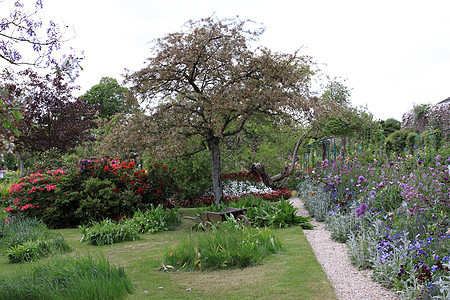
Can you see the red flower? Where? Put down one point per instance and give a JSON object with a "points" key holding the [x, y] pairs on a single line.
{"points": [[158, 191], [106, 168]]}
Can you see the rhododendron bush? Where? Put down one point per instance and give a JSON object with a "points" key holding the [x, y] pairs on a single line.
{"points": [[95, 189]]}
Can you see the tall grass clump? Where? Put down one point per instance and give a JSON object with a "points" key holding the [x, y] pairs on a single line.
{"points": [[108, 232], [228, 245], [156, 219], [24, 239], [67, 278]]}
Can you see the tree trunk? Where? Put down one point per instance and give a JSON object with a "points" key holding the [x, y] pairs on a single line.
{"points": [[213, 145], [278, 181]]}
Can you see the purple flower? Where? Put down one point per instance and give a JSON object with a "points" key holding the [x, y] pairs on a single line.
{"points": [[359, 212], [363, 207]]}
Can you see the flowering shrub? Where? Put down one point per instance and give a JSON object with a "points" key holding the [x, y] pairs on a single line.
{"points": [[36, 196], [95, 189], [393, 215]]}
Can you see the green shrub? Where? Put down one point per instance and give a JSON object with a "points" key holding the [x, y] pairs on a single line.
{"points": [[155, 219], [397, 141], [67, 278], [108, 232], [229, 245], [192, 176]]}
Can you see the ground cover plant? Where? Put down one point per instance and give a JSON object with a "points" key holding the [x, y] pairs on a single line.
{"points": [[67, 278], [393, 214]]}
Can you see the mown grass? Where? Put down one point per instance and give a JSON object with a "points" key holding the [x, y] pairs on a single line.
{"points": [[291, 274]]}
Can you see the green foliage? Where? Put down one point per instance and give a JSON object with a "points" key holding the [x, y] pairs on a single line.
{"points": [[108, 232], [67, 278], [337, 92], [192, 176], [346, 125], [396, 142], [390, 125], [228, 245], [19, 230], [155, 220], [49, 159], [411, 141], [268, 140]]}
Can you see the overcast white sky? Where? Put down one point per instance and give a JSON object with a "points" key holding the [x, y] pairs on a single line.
{"points": [[393, 53]]}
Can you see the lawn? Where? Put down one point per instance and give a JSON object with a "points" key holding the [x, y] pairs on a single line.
{"points": [[291, 274]]}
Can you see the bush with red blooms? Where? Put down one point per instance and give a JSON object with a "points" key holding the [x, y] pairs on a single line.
{"points": [[95, 189]]}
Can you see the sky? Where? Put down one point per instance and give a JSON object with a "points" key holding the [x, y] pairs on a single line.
{"points": [[392, 54]]}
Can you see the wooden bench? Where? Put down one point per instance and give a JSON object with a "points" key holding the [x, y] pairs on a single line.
{"points": [[216, 217]]}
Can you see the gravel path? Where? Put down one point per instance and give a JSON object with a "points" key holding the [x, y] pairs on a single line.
{"points": [[349, 283]]}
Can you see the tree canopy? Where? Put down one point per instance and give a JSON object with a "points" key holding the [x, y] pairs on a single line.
{"points": [[206, 81]]}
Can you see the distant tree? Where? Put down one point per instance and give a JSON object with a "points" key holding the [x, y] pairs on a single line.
{"points": [[347, 123], [209, 82], [110, 98], [337, 92], [52, 117], [390, 125]]}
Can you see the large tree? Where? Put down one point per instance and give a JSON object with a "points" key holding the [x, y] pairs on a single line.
{"points": [[206, 81]]}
